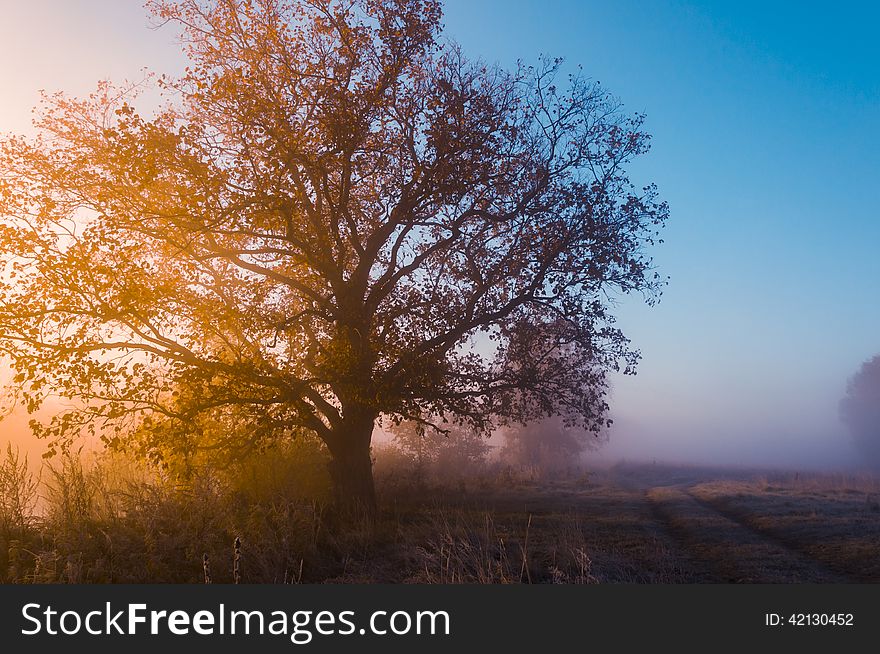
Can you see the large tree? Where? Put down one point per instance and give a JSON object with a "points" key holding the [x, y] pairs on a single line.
{"points": [[336, 216], [860, 411]]}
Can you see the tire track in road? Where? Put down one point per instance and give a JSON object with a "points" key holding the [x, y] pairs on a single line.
{"points": [[745, 521], [732, 549]]}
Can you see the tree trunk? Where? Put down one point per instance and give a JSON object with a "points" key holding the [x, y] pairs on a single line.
{"points": [[351, 470]]}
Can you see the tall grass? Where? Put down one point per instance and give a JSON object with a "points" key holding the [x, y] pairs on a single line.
{"points": [[18, 500], [109, 519]]}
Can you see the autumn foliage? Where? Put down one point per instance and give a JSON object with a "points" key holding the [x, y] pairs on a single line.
{"points": [[335, 217]]}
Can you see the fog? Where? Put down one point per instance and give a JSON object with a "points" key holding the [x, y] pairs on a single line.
{"points": [[698, 398], [654, 421], [736, 443]]}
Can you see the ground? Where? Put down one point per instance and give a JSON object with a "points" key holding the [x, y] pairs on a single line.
{"points": [[638, 524], [625, 524]]}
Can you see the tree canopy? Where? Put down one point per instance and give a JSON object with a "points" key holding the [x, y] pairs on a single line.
{"points": [[860, 410], [335, 216]]}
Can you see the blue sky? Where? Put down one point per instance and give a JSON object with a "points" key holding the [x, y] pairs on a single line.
{"points": [[766, 124]]}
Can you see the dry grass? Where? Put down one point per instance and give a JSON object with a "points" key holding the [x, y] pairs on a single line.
{"points": [[834, 520], [112, 521]]}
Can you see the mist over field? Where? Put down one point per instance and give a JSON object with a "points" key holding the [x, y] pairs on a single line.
{"points": [[739, 427], [811, 439]]}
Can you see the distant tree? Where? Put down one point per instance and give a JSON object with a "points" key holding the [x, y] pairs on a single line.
{"points": [[429, 451], [860, 410], [334, 207], [548, 445]]}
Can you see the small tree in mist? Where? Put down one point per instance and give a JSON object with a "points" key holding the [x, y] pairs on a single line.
{"points": [[334, 207], [547, 446], [428, 452], [860, 410]]}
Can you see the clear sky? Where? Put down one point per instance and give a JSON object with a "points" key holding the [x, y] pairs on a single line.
{"points": [[766, 123]]}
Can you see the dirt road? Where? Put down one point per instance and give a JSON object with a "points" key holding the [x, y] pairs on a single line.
{"points": [[716, 546]]}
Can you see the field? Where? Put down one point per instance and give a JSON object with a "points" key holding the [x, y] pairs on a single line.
{"points": [[661, 524], [626, 524]]}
